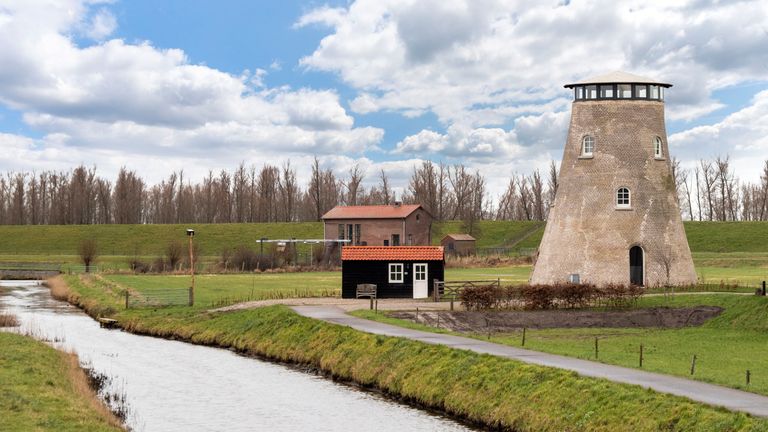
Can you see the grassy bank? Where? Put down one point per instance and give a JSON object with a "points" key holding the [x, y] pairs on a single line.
{"points": [[118, 243], [725, 347], [485, 389], [44, 389]]}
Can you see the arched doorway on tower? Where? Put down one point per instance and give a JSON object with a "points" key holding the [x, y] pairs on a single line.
{"points": [[636, 265]]}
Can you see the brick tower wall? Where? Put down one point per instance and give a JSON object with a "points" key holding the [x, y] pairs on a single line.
{"points": [[585, 232]]}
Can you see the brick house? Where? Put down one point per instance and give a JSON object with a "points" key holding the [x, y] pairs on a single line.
{"points": [[379, 225]]}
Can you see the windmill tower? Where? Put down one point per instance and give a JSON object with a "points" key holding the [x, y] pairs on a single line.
{"points": [[616, 217]]}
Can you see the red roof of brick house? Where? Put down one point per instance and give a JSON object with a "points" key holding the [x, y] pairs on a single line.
{"points": [[391, 253], [371, 212]]}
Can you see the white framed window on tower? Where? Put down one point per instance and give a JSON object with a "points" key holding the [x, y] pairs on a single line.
{"points": [[623, 198], [587, 146], [396, 273], [657, 148]]}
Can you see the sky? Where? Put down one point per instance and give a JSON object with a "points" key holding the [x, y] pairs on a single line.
{"points": [[157, 86]]}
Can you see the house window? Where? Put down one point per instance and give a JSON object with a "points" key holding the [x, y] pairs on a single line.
{"points": [[418, 217], [657, 148], [357, 234], [386, 242], [396, 273], [410, 239], [587, 145], [625, 91], [623, 198], [395, 239], [341, 231], [579, 93], [350, 233], [641, 91]]}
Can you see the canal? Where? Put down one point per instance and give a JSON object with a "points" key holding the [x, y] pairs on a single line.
{"points": [[175, 386]]}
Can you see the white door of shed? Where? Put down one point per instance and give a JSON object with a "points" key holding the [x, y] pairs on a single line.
{"points": [[420, 289]]}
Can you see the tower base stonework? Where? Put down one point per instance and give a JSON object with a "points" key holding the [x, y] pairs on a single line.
{"points": [[616, 218]]}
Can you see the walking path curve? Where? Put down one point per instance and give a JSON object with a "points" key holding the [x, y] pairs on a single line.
{"points": [[732, 399]]}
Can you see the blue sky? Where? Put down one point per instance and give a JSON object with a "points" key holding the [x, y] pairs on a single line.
{"points": [[199, 85]]}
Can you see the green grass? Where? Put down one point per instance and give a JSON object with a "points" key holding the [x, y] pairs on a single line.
{"points": [[482, 388], [37, 391], [229, 288], [488, 233], [726, 346], [733, 244]]}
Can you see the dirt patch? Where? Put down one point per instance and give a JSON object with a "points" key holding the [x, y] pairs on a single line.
{"points": [[464, 321]]}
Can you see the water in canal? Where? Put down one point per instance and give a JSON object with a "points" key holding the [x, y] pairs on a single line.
{"points": [[175, 386]]}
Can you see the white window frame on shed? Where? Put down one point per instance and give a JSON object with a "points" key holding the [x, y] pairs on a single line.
{"points": [[395, 275]]}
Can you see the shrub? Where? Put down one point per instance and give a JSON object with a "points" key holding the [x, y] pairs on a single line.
{"points": [[481, 297], [543, 297], [173, 254]]}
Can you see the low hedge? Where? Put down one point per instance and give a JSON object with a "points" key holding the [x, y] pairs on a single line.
{"points": [[556, 296]]}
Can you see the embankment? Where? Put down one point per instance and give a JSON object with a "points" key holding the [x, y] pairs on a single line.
{"points": [[45, 389], [490, 391]]}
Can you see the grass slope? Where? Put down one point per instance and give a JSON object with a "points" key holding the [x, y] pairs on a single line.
{"points": [[489, 390], [726, 346], [44, 389]]}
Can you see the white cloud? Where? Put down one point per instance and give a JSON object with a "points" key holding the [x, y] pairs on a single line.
{"points": [[115, 100], [488, 62], [102, 24], [743, 135]]}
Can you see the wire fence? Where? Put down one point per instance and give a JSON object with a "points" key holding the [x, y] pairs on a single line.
{"points": [[158, 297]]}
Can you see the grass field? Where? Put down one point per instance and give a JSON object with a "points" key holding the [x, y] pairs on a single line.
{"points": [[725, 347], [230, 288], [117, 243], [495, 391], [44, 389]]}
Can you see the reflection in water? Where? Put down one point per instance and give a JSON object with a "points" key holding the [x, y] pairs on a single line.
{"points": [[175, 386]]}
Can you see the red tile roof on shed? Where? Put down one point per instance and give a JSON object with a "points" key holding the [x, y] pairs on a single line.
{"points": [[371, 212], [392, 253]]}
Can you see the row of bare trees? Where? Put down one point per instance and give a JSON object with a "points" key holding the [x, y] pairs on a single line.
{"points": [[247, 194], [708, 191], [711, 191]]}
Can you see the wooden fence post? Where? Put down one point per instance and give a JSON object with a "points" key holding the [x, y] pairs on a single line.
{"points": [[597, 351], [693, 364], [641, 355], [126, 298], [523, 344], [749, 375], [191, 297]]}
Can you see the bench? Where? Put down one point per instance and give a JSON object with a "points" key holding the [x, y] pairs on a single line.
{"points": [[366, 290]]}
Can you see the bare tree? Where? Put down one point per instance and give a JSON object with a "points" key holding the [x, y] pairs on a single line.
{"points": [[88, 251]]}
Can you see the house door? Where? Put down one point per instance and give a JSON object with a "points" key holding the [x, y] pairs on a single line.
{"points": [[636, 265], [420, 288]]}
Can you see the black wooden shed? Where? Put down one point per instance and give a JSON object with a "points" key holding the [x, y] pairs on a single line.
{"points": [[397, 271]]}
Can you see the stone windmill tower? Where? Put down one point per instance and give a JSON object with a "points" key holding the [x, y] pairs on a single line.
{"points": [[616, 217]]}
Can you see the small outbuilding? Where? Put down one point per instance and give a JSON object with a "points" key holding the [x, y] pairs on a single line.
{"points": [[397, 271], [458, 244]]}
